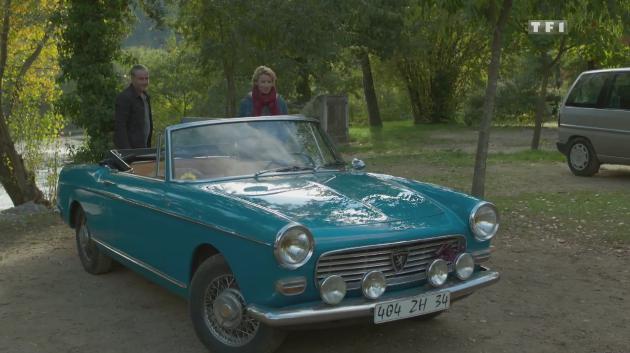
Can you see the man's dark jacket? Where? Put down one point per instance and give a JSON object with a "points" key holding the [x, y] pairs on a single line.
{"points": [[129, 120]]}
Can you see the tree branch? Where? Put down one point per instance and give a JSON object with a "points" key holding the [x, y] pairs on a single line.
{"points": [[4, 38], [24, 69], [561, 51]]}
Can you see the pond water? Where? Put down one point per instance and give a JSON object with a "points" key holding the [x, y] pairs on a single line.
{"points": [[74, 140]]}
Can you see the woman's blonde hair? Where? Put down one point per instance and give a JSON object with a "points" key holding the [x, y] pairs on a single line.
{"points": [[263, 70]]}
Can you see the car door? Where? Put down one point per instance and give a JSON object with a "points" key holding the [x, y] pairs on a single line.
{"points": [[583, 113], [616, 122]]}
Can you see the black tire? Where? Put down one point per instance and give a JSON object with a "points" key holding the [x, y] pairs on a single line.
{"points": [[581, 157], [92, 257], [212, 279]]}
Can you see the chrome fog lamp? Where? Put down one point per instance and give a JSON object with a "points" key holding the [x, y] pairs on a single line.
{"points": [[438, 272], [333, 290], [484, 221], [293, 246], [464, 266], [374, 284]]}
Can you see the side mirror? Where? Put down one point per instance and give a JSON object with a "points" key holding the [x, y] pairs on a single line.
{"points": [[357, 164]]}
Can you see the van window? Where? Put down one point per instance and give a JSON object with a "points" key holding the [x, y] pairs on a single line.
{"points": [[587, 91], [620, 92]]}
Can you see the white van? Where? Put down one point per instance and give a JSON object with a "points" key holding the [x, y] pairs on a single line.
{"points": [[594, 121]]}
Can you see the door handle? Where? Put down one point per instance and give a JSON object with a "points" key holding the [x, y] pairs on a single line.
{"points": [[107, 182]]}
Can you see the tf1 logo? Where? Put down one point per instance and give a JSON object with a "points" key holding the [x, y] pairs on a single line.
{"points": [[547, 27]]}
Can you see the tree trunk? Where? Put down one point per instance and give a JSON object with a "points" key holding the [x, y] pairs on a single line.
{"points": [[18, 182], [303, 86], [540, 109], [479, 178], [416, 104], [374, 115]]}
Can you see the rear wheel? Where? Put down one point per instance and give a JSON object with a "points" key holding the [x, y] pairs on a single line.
{"points": [[581, 157], [92, 258], [219, 315]]}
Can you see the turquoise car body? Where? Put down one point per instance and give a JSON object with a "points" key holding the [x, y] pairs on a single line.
{"points": [[158, 227]]}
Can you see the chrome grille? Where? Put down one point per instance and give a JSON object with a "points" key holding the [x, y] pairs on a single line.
{"points": [[353, 264]]}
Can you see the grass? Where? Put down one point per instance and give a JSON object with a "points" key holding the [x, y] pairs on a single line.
{"points": [[459, 158], [396, 137], [403, 139], [402, 149], [601, 216]]}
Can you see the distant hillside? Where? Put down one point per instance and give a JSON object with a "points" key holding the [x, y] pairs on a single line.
{"points": [[144, 33]]}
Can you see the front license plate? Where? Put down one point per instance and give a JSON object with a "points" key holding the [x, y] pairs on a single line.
{"points": [[414, 306]]}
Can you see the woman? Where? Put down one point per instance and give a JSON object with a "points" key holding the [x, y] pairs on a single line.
{"points": [[263, 99]]}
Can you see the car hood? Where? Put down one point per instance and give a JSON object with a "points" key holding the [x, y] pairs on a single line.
{"points": [[331, 199]]}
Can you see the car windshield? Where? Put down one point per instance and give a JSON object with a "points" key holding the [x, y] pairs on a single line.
{"points": [[249, 148]]}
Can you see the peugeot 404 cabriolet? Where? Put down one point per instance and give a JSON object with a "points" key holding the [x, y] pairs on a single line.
{"points": [[262, 227]]}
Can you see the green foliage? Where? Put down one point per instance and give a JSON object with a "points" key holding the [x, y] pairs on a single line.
{"points": [[178, 87], [29, 90], [441, 52], [516, 95], [90, 43]]}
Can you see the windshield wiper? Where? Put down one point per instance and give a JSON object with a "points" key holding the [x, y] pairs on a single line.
{"points": [[336, 163], [291, 168]]}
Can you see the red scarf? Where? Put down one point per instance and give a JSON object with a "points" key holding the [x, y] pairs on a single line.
{"points": [[261, 100]]}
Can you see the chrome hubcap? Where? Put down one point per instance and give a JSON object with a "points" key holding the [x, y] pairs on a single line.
{"points": [[228, 309], [579, 156], [225, 313]]}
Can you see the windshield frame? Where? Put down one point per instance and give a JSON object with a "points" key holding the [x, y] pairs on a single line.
{"points": [[214, 121]]}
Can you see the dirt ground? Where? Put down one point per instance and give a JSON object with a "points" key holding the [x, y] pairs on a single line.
{"points": [[554, 296]]}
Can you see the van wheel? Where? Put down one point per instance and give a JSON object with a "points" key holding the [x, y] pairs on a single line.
{"points": [[582, 158]]}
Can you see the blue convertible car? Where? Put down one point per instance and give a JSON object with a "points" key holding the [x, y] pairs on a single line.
{"points": [[263, 228]]}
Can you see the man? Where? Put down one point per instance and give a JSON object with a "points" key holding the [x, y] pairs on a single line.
{"points": [[133, 123]]}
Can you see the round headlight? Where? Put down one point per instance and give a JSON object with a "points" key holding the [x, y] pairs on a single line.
{"points": [[293, 246], [333, 290], [464, 266], [484, 221], [438, 272], [374, 284]]}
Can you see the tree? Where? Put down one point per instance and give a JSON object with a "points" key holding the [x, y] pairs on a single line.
{"points": [[25, 36], [595, 30], [481, 156], [372, 28], [438, 53], [179, 88], [220, 29], [90, 43], [233, 37]]}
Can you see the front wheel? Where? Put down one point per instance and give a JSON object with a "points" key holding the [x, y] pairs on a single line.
{"points": [[219, 315], [92, 258], [582, 158]]}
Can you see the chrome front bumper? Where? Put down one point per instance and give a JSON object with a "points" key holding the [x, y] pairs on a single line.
{"points": [[359, 307]]}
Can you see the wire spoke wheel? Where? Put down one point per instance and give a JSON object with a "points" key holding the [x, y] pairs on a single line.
{"points": [[242, 328], [85, 243]]}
